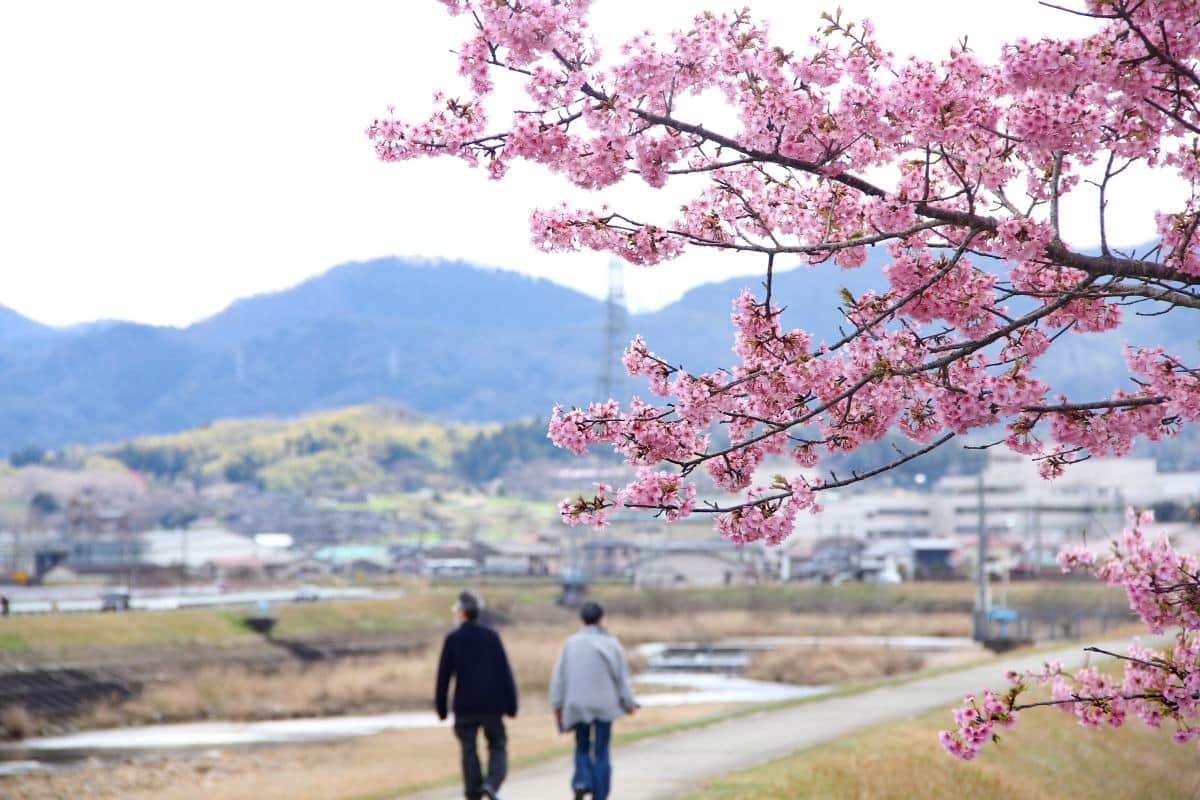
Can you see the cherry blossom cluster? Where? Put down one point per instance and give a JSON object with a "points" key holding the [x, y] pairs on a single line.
{"points": [[769, 513], [665, 492], [1163, 588], [959, 169], [660, 490], [588, 511], [976, 722]]}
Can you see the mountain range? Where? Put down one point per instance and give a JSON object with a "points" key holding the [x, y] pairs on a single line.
{"points": [[448, 339]]}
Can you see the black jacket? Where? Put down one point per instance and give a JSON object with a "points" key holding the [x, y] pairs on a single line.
{"points": [[483, 680]]}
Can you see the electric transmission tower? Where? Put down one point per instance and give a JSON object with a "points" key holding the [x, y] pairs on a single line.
{"points": [[612, 374]]}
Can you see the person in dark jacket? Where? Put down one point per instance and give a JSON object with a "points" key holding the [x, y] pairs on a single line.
{"points": [[484, 693]]}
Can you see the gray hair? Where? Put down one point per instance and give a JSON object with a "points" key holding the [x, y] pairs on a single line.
{"points": [[469, 603]]}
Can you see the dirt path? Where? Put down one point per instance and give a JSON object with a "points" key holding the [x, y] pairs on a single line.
{"points": [[670, 766]]}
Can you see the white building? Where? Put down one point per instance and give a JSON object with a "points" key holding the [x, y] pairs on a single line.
{"points": [[1089, 498], [196, 548], [1018, 504], [870, 515]]}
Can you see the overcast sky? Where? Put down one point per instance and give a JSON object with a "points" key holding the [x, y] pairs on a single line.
{"points": [[161, 159]]}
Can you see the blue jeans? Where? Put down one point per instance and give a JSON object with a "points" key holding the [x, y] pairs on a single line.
{"points": [[593, 770]]}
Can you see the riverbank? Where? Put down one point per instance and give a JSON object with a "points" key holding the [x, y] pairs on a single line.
{"points": [[676, 765], [248, 684], [533, 629], [1045, 757], [381, 765], [49, 637], [377, 656]]}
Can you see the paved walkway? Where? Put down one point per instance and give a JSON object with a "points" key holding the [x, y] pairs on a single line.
{"points": [[670, 766]]}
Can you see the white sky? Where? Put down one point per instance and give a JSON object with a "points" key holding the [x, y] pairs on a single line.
{"points": [[160, 159]]}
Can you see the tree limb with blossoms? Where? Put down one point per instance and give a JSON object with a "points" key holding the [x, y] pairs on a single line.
{"points": [[961, 169], [1157, 685]]}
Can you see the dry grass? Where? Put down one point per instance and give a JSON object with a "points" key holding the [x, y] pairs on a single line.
{"points": [[381, 765], [405, 680], [636, 614], [831, 664], [1045, 757], [365, 684], [236, 691], [1037, 597], [16, 723], [722, 624]]}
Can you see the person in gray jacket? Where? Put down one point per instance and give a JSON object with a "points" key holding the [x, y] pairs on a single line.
{"points": [[589, 689]]}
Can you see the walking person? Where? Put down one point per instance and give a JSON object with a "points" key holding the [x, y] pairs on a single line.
{"points": [[589, 689], [484, 693]]}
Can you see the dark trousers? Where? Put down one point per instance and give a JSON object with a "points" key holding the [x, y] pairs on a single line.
{"points": [[466, 728], [593, 770]]}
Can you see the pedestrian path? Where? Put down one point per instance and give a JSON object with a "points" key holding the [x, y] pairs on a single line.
{"points": [[672, 765]]}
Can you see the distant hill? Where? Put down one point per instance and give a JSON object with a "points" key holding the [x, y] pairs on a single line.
{"points": [[341, 448], [448, 340], [696, 330], [15, 326], [352, 448]]}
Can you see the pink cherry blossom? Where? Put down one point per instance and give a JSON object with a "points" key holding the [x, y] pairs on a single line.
{"points": [[1163, 588], [959, 169]]}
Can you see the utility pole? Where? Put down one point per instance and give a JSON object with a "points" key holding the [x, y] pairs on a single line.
{"points": [[1037, 538], [183, 558], [131, 555], [982, 601]]}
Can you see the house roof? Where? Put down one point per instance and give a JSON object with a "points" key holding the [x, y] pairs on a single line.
{"points": [[198, 546], [933, 544], [666, 556], [525, 549], [344, 553]]}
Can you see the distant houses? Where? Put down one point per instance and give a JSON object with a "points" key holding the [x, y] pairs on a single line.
{"points": [[910, 531], [534, 558], [357, 560], [163, 556], [683, 565]]}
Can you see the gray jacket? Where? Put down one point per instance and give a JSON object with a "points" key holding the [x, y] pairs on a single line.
{"points": [[591, 678]]}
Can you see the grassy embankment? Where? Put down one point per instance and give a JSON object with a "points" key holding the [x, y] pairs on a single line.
{"points": [[402, 680], [1046, 756], [384, 766], [241, 688], [693, 613], [403, 761], [764, 609], [66, 634]]}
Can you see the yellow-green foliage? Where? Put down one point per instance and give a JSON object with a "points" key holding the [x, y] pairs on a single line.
{"points": [[344, 447], [328, 468], [96, 461]]}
